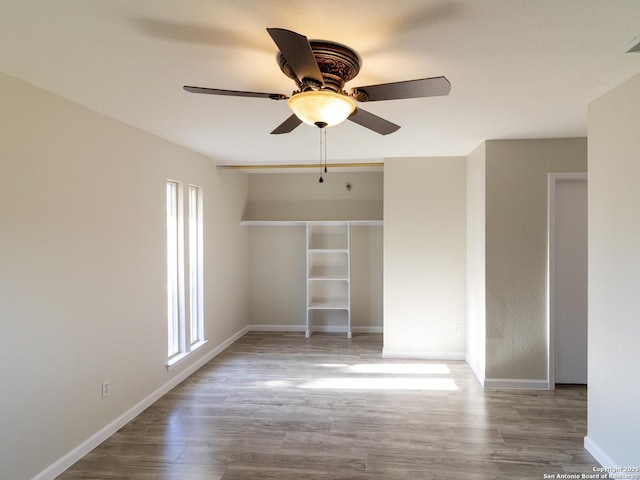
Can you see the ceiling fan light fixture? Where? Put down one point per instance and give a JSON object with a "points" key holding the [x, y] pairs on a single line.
{"points": [[321, 107]]}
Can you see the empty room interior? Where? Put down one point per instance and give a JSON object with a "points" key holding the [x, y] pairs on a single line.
{"points": [[199, 278]]}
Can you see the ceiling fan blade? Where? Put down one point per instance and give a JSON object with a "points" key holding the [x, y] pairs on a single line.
{"points": [[288, 125], [424, 87], [234, 93], [373, 122], [296, 50]]}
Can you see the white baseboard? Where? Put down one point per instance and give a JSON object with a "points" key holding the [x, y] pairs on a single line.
{"points": [[421, 355], [515, 384], [599, 454], [342, 329], [256, 327], [366, 329], [302, 328], [58, 467], [475, 368]]}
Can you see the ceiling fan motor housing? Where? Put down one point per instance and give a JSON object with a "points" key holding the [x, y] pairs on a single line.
{"points": [[338, 65]]}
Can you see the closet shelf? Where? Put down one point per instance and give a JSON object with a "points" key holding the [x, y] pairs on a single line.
{"points": [[286, 223], [328, 275], [329, 306], [320, 278]]}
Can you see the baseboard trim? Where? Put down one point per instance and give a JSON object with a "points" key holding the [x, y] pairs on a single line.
{"points": [[301, 328], [515, 384], [276, 328], [59, 466], [419, 355], [366, 329], [600, 455], [473, 365]]}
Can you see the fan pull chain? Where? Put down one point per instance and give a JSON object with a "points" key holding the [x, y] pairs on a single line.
{"points": [[322, 151], [325, 149]]}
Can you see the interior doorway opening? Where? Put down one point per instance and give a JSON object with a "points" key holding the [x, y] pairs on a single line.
{"points": [[567, 283]]}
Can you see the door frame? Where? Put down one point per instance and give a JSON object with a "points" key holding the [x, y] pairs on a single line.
{"points": [[551, 324]]}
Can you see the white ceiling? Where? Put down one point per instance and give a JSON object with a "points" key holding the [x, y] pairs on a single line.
{"points": [[518, 68]]}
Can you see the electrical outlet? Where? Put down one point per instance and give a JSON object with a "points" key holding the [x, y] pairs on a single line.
{"points": [[106, 388], [457, 328]]}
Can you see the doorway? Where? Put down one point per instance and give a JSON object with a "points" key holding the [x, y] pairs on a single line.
{"points": [[567, 278]]}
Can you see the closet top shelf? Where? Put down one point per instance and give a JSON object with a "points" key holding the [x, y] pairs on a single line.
{"points": [[304, 222]]}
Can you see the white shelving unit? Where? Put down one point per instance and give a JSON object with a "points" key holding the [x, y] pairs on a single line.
{"points": [[328, 275]]}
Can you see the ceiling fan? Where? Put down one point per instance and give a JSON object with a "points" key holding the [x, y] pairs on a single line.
{"points": [[320, 70]]}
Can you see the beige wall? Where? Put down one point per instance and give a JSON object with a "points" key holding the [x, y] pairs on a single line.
{"points": [[278, 252], [516, 251], [299, 196], [277, 276], [424, 257], [366, 277], [83, 270], [614, 277]]}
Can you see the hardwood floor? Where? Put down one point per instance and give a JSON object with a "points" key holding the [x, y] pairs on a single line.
{"points": [[279, 406]]}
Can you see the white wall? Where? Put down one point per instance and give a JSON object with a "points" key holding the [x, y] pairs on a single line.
{"points": [[476, 285], [83, 270], [424, 257], [614, 276], [516, 254], [278, 253]]}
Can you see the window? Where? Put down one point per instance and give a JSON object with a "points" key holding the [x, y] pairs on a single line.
{"points": [[195, 264], [173, 269], [185, 323]]}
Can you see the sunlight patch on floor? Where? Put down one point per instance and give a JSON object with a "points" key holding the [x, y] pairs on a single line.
{"points": [[276, 384], [382, 383], [400, 368], [372, 376]]}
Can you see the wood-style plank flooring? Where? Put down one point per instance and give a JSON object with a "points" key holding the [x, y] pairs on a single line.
{"points": [[279, 406]]}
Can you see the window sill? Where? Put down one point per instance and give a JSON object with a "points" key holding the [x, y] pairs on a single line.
{"points": [[177, 359]]}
